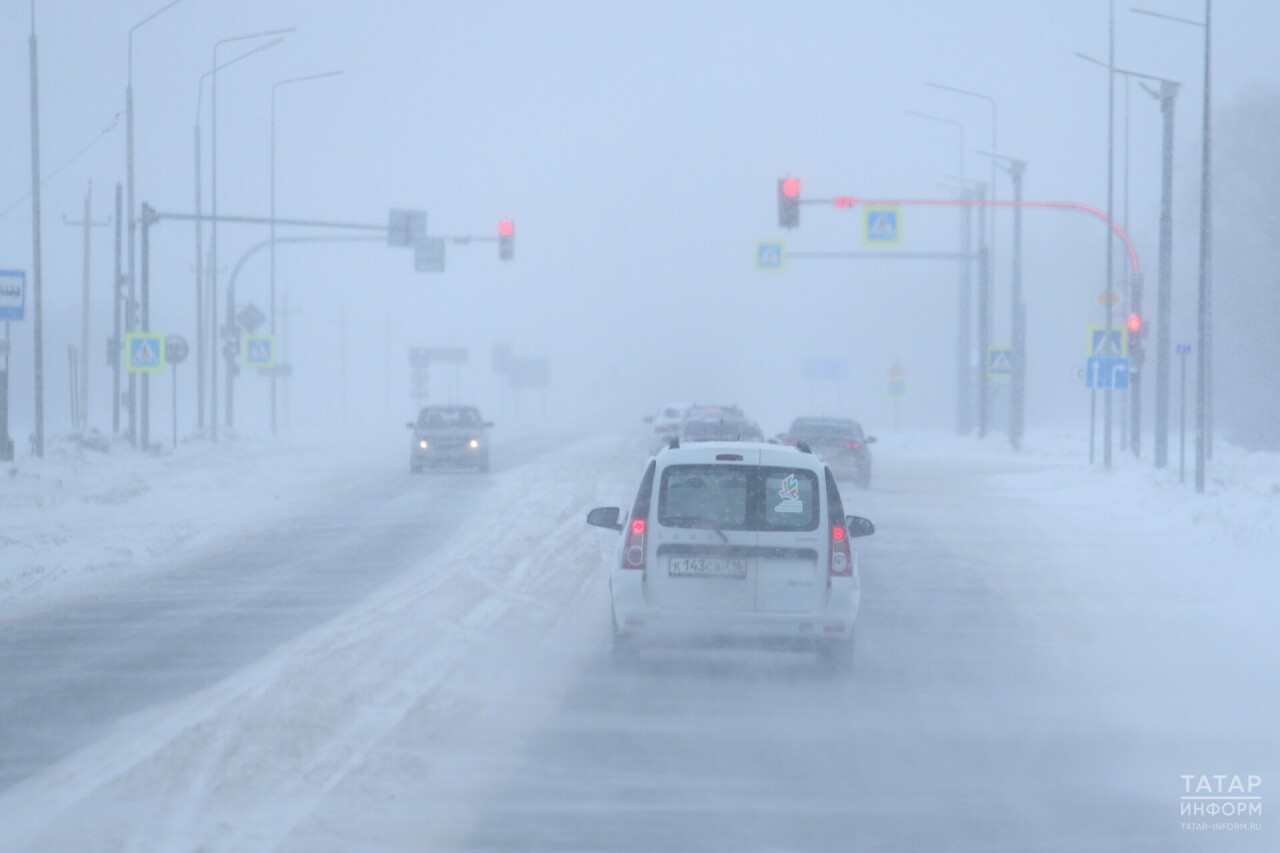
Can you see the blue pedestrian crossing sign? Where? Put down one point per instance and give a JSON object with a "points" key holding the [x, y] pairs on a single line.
{"points": [[770, 255], [1112, 373], [882, 225], [896, 388], [999, 361], [144, 352], [1107, 343], [260, 350]]}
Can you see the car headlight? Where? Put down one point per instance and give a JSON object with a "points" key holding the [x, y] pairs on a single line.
{"points": [[475, 442], [422, 444]]}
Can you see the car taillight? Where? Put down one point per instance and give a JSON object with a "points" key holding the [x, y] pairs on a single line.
{"points": [[841, 559], [633, 552], [853, 444]]}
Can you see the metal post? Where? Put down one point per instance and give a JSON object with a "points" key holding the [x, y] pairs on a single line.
{"points": [[1182, 415], [1017, 393], [984, 337], [84, 313], [1164, 292], [36, 254], [117, 295], [200, 331], [145, 404], [1136, 357], [1203, 323], [173, 368], [1111, 130], [214, 337]]}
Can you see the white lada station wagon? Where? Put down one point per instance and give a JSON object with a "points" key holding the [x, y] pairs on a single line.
{"points": [[736, 542]]}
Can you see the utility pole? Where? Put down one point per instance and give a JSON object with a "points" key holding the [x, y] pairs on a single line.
{"points": [[1204, 395], [117, 297], [984, 338], [87, 223], [36, 255], [1111, 131], [964, 339], [1018, 319], [147, 220], [1168, 95]]}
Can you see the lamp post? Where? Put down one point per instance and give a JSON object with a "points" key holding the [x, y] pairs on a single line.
{"points": [[131, 313], [964, 319], [1204, 324], [993, 146], [201, 344], [272, 313], [213, 230], [1018, 319]]}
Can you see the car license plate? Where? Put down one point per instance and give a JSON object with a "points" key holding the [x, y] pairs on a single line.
{"points": [[709, 567]]}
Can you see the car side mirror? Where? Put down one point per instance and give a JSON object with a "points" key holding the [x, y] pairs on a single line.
{"points": [[858, 526], [871, 439], [605, 516], [409, 425], [648, 419], [488, 424]]}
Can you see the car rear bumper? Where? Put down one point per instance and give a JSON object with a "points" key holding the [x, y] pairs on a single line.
{"points": [[635, 616]]}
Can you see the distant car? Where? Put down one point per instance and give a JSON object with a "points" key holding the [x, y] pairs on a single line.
{"points": [[735, 543], [449, 435], [666, 424], [840, 441], [720, 429]]}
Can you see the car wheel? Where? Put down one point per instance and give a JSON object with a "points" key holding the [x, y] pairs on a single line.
{"points": [[836, 657]]}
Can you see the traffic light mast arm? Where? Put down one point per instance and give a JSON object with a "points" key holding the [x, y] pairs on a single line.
{"points": [[849, 202]]}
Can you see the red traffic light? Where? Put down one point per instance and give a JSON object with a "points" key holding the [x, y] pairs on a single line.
{"points": [[506, 228], [791, 187], [1134, 324]]}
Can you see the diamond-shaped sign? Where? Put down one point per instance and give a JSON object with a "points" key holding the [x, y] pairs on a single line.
{"points": [[251, 318]]}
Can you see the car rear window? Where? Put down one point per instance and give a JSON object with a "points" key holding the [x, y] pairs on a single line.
{"points": [[738, 497]]}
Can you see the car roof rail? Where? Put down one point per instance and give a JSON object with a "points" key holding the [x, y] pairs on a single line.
{"points": [[803, 447], [674, 443]]}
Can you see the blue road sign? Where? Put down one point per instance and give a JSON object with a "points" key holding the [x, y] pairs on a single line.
{"points": [[1107, 343], [13, 294], [882, 225], [770, 255], [897, 388], [144, 352], [824, 369], [1107, 373], [999, 361], [259, 350], [1183, 349]]}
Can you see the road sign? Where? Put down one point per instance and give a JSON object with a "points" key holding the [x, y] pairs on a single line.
{"points": [[259, 350], [999, 361], [1108, 298], [882, 225], [406, 228], [13, 294], [771, 255], [1183, 349], [1107, 372], [428, 255], [897, 371], [824, 369], [251, 318], [144, 352], [1107, 343], [175, 349], [897, 387]]}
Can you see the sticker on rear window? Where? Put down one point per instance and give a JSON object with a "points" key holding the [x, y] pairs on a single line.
{"points": [[790, 494]]}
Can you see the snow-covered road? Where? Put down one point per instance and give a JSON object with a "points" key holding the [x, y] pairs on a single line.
{"points": [[1045, 649]]}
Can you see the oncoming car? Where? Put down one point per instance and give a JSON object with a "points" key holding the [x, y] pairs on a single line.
{"points": [[732, 543], [449, 435]]}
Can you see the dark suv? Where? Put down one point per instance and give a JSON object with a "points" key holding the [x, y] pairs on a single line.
{"points": [[449, 435], [839, 441]]}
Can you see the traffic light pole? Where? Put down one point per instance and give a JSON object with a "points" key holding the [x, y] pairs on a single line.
{"points": [[1164, 299]]}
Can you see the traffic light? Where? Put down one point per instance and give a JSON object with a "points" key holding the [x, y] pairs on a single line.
{"points": [[1134, 325], [788, 202], [506, 239], [1136, 352]]}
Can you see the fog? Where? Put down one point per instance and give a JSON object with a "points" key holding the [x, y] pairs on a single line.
{"points": [[272, 645]]}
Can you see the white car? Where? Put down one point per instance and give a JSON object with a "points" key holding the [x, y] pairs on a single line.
{"points": [[736, 542], [666, 424]]}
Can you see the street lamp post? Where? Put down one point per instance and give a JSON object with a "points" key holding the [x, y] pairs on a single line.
{"points": [[1018, 319], [1204, 324], [964, 341], [213, 229], [272, 313]]}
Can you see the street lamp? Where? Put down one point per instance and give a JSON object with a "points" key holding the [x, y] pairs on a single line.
{"points": [[994, 145], [1018, 321], [272, 313], [201, 345], [213, 231], [1167, 95], [974, 190], [128, 107], [1204, 324]]}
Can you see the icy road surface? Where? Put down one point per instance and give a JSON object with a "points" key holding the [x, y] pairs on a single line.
{"points": [[1044, 651]]}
